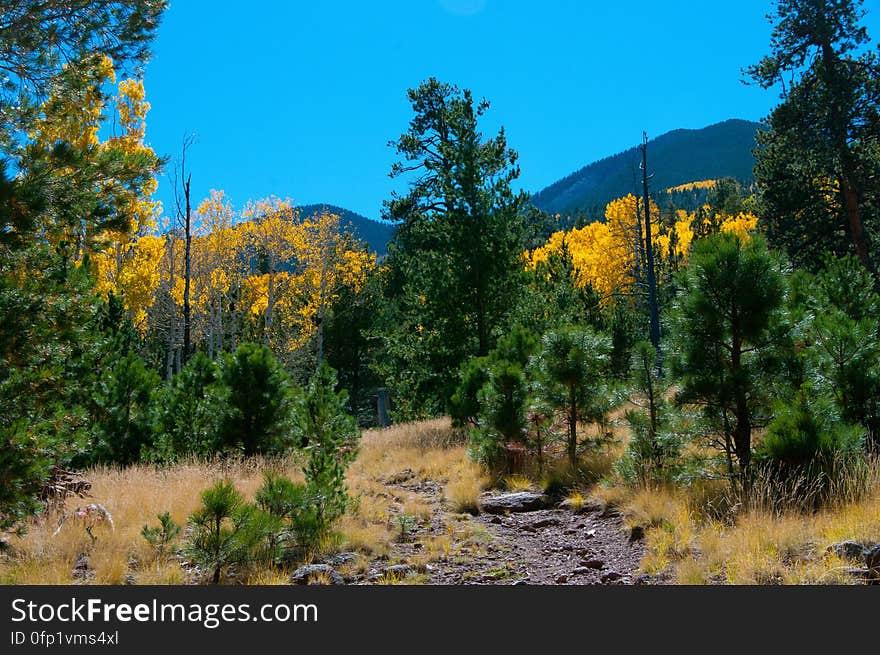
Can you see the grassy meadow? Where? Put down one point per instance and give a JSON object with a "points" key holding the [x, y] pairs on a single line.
{"points": [[698, 534]]}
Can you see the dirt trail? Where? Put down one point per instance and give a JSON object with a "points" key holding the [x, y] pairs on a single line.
{"points": [[548, 546], [552, 546]]}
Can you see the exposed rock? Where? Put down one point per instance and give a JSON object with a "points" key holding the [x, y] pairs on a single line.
{"points": [[305, 574], [340, 559], [522, 501], [610, 512], [872, 559], [851, 550], [400, 477], [398, 570], [81, 570], [611, 576]]}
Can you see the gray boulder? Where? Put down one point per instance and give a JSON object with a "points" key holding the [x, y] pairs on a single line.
{"points": [[306, 574], [340, 559], [521, 501], [851, 550], [872, 558]]}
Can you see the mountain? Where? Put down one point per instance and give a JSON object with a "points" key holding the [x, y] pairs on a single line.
{"points": [[377, 234], [677, 157]]}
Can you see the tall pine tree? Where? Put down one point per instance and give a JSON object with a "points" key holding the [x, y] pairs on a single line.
{"points": [[454, 264]]}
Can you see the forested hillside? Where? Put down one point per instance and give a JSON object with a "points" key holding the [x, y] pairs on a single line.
{"points": [[678, 157], [376, 234]]}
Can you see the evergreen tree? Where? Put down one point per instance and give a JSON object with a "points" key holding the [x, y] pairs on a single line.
{"points": [[454, 264], [818, 162], [329, 435], [843, 333], [188, 410], [258, 401], [569, 369], [729, 335], [123, 427]]}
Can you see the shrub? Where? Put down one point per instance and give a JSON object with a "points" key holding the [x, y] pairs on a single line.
{"points": [[464, 406], [502, 417], [258, 401], [161, 536], [807, 436], [189, 411], [291, 504], [329, 435], [227, 531]]}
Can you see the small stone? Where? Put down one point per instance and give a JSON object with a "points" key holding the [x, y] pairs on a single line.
{"points": [[593, 563], [590, 534], [611, 576], [400, 570], [522, 501], [545, 522], [305, 574], [582, 570], [520, 583], [851, 550], [562, 579], [637, 533]]}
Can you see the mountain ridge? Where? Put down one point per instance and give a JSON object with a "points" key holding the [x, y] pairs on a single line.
{"points": [[676, 157], [375, 233]]}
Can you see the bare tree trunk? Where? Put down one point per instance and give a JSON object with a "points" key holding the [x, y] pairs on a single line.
{"points": [[572, 426], [187, 262], [172, 313], [270, 308], [653, 307]]}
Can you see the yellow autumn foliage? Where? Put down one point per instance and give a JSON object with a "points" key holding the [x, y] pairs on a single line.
{"points": [[603, 255]]}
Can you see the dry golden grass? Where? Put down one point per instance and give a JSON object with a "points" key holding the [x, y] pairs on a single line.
{"points": [[518, 482], [697, 534], [134, 496], [754, 545]]}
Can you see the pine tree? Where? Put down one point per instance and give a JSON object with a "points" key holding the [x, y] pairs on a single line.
{"points": [[569, 368], [729, 333], [454, 264], [817, 163]]}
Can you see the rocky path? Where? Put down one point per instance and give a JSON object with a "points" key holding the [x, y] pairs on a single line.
{"points": [[547, 546], [524, 539]]}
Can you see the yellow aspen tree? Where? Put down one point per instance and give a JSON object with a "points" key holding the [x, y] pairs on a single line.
{"points": [[272, 226], [328, 259], [218, 269]]}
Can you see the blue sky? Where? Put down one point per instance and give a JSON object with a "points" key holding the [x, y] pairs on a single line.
{"points": [[299, 99]]}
